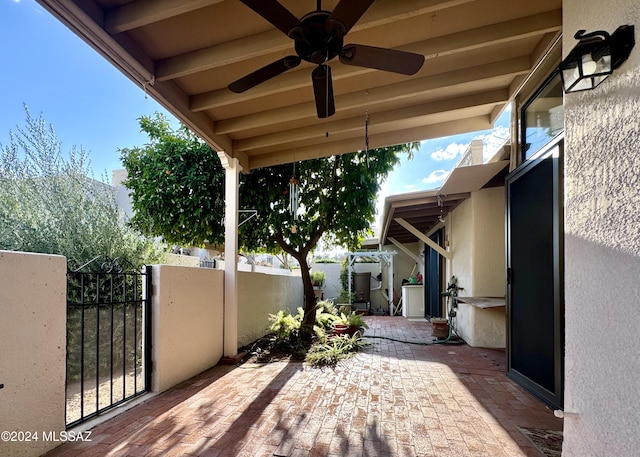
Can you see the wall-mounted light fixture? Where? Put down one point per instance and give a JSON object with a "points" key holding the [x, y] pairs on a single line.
{"points": [[595, 57]]}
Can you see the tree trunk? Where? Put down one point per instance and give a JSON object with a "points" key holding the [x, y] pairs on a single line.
{"points": [[309, 296]]}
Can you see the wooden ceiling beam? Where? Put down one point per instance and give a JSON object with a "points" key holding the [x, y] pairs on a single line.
{"points": [[421, 220], [377, 121], [398, 202], [375, 141], [432, 48], [422, 211], [231, 52], [272, 41], [144, 12], [383, 94]]}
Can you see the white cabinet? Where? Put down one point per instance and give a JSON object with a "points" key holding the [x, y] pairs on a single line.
{"points": [[413, 301]]}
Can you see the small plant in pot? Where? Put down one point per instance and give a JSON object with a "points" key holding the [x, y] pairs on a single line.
{"points": [[349, 324], [318, 278]]}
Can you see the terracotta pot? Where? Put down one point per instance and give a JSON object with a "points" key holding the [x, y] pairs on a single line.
{"points": [[440, 327], [340, 329], [344, 329]]}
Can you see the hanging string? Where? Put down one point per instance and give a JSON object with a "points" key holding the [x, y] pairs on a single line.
{"points": [[366, 137]]}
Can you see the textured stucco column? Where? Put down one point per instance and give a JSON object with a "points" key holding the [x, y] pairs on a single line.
{"points": [[602, 246], [231, 198], [33, 330]]}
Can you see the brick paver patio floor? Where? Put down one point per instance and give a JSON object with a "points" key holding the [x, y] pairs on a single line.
{"points": [[393, 399]]}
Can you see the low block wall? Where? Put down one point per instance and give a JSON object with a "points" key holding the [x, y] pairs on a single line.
{"points": [[187, 315], [33, 340], [485, 328]]}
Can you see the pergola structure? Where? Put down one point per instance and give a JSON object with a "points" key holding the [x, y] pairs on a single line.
{"points": [[184, 53], [382, 256]]}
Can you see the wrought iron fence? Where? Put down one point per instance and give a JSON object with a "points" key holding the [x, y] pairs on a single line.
{"points": [[108, 336]]}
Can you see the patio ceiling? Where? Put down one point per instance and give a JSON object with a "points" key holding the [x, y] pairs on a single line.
{"points": [[478, 54]]}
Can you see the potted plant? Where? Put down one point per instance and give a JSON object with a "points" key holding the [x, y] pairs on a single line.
{"points": [[349, 324], [318, 279]]}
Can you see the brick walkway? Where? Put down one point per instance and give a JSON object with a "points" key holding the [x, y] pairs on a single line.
{"points": [[394, 399]]}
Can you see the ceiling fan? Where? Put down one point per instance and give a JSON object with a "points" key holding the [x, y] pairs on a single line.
{"points": [[318, 38]]}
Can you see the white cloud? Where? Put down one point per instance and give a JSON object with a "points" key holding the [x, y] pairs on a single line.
{"points": [[436, 176], [452, 151]]}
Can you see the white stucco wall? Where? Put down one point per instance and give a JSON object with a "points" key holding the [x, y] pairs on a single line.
{"points": [[602, 246], [489, 243], [459, 229], [187, 313], [33, 348], [476, 233], [261, 294]]}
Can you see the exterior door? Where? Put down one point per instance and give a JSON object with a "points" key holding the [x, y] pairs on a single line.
{"points": [[433, 278], [535, 308]]}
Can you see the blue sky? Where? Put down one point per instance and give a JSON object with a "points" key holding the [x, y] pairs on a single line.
{"points": [[91, 104], [53, 72]]}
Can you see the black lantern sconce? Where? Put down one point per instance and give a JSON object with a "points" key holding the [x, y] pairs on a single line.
{"points": [[595, 57]]}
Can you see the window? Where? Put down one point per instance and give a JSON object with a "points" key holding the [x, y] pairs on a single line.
{"points": [[542, 116]]}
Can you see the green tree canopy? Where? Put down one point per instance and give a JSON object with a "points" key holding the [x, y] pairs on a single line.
{"points": [[177, 185], [50, 204], [178, 192]]}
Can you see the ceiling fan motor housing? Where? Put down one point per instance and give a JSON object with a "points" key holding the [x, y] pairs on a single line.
{"points": [[315, 42]]}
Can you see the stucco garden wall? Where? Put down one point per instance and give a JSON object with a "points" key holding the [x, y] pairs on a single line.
{"points": [[33, 330], [602, 246], [187, 311], [261, 294]]}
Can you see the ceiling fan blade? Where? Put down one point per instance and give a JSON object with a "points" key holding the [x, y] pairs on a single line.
{"points": [[406, 63], [262, 74], [323, 91], [346, 14], [275, 13]]}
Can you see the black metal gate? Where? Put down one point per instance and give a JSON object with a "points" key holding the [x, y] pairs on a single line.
{"points": [[108, 336]]}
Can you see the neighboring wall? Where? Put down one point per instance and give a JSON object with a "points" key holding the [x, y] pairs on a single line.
{"points": [[261, 294], [602, 246], [33, 331]]}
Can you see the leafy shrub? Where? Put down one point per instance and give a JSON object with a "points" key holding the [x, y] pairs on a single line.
{"points": [[353, 319], [326, 316], [285, 327], [50, 204], [326, 349], [338, 348]]}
